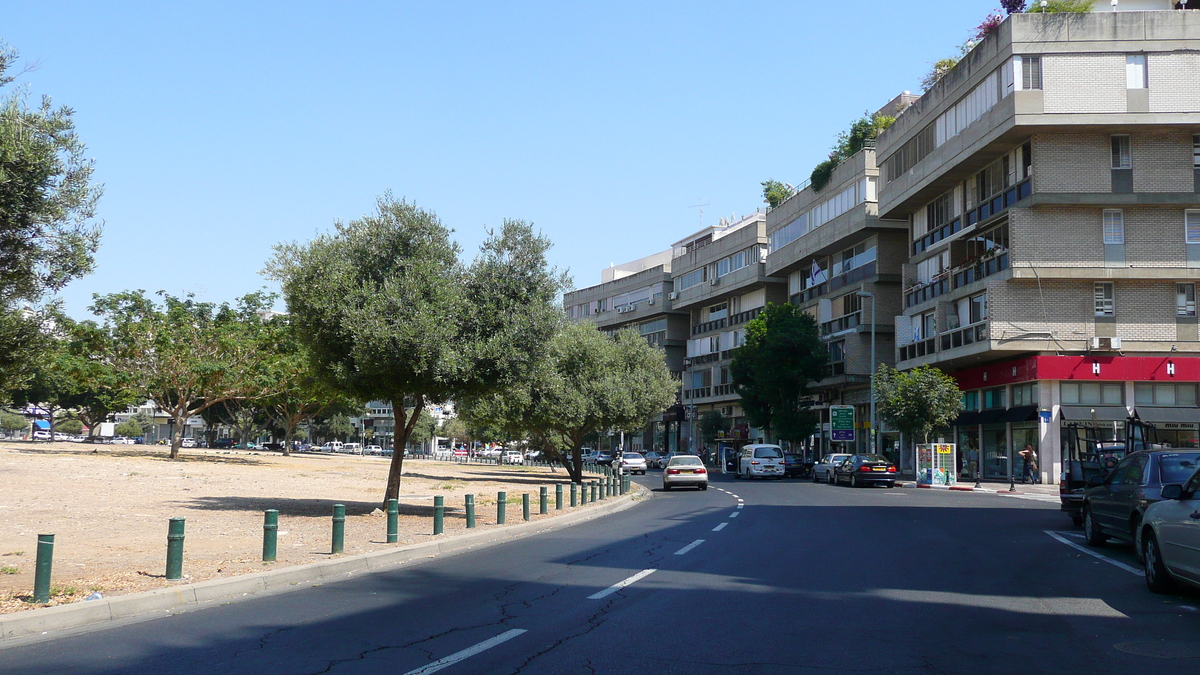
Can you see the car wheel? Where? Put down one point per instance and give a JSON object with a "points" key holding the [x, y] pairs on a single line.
{"points": [[1158, 579], [1091, 531], [831, 478], [815, 477], [1135, 535], [1077, 520], [666, 488], [704, 487], [854, 482]]}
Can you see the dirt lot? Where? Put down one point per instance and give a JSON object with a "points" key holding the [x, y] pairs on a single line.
{"points": [[108, 507]]}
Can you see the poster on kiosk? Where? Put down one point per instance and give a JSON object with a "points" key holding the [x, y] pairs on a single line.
{"points": [[937, 463]]}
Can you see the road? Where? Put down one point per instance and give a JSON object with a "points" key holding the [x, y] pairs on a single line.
{"points": [[748, 577]]}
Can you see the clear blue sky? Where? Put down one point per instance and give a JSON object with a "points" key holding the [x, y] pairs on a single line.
{"points": [[220, 129]]}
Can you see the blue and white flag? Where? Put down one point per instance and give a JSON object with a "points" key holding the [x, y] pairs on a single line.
{"points": [[817, 276]]}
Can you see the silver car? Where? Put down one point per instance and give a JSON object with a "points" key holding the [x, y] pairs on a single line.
{"points": [[633, 463], [824, 469], [685, 470], [1170, 537]]}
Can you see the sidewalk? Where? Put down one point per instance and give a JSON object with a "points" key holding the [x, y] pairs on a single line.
{"points": [[1032, 490]]}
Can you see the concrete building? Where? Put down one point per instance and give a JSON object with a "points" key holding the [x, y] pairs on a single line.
{"points": [[1051, 182]]}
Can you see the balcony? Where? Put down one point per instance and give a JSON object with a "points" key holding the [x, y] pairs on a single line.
{"points": [[854, 276], [918, 349], [835, 369], [925, 292], [986, 209], [743, 317], [844, 322], [708, 326], [977, 332]]}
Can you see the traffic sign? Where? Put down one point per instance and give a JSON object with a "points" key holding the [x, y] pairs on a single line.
{"points": [[841, 419]]}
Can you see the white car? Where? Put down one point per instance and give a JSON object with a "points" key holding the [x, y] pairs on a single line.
{"points": [[373, 450], [1170, 537], [41, 435], [685, 470], [760, 461], [513, 457], [633, 463], [824, 469]]}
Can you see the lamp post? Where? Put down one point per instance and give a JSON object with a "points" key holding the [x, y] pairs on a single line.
{"points": [[874, 434]]}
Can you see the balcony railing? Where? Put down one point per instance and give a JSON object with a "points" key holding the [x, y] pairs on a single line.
{"points": [[965, 336], [699, 392], [708, 326], [980, 213], [929, 291], [977, 270], [840, 281], [836, 368], [705, 358], [723, 390], [743, 317], [918, 349], [845, 322]]}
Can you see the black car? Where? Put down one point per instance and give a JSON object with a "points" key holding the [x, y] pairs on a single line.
{"points": [[860, 470], [1114, 504], [794, 466]]}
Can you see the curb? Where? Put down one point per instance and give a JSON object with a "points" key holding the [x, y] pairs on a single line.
{"points": [[960, 488], [161, 601]]}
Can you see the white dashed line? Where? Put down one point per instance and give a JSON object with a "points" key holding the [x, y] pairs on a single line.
{"points": [[689, 547], [740, 505], [621, 584], [734, 514], [720, 527], [1077, 547], [466, 653]]}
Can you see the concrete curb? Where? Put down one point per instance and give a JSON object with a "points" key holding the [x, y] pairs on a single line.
{"points": [[959, 488], [161, 601]]}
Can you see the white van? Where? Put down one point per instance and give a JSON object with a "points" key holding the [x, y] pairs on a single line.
{"points": [[332, 446], [352, 448], [761, 461]]}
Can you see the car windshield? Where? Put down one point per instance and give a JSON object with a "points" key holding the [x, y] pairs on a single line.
{"points": [[793, 458], [836, 459], [631, 455], [767, 453], [685, 461], [874, 458], [1177, 467]]}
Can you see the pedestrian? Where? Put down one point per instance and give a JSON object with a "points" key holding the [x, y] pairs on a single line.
{"points": [[1029, 456]]}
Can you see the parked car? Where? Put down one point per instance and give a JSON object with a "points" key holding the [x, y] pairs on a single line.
{"points": [[823, 470], [653, 460], [794, 466], [604, 458], [1169, 535], [860, 470], [373, 450], [226, 443], [633, 463], [513, 457], [760, 461], [41, 435], [1114, 505], [187, 443], [683, 471]]}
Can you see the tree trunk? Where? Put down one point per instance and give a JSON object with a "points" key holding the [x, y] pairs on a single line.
{"points": [[399, 442], [575, 466], [177, 433]]}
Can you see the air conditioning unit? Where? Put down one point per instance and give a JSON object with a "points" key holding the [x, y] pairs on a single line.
{"points": [[714, 281], [1106, 343], [622, 309], [651, 301], [672, 296], [596, 310]]}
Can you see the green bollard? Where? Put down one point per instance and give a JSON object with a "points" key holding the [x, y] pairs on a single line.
{"points": [[558, 497], [45, 561], [583, 490], [593, 490], [525, 506], [439, 514], [393, 521], [175, 549], [543, 496], [339, 528], [270, 534], [501, 507], [470, 505], [603, 488], [574, 495]]}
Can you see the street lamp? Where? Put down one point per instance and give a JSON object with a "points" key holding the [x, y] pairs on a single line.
{"points": [[874, 434]]}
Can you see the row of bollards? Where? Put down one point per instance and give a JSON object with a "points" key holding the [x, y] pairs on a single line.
{"points": [[610, 484]]}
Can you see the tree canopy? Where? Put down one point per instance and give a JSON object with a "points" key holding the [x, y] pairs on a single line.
{"points": [[772, 372], [917, 401]]}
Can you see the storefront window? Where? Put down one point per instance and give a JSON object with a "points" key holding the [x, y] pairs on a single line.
{"points": [[1025, 433], [1093, 393], [993, 398], [995, 451], [1024, 394], [968, 452]]}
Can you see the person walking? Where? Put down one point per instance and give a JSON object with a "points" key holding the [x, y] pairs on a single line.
{"points": [[1029, 455]]}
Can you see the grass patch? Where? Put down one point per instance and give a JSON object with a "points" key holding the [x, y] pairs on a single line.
{"points": [[9, 569], [56, 591], [15, 553]]}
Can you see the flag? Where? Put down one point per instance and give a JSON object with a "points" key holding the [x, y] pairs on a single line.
{"points": [[817, 276]]}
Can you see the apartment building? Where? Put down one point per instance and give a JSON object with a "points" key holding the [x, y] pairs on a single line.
{"points": [[638, 295], [720, 282], [838, 257], [1051, 182]]}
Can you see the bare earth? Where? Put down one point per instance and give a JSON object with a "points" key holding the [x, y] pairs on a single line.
{"points": [[108, 507]]}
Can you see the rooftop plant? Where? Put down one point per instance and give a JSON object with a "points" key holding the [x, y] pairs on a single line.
{"points": [[865, 128]]}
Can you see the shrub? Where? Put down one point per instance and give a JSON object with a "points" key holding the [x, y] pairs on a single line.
{"points": [[1013, 6], [1067, 6], [988, 25]]}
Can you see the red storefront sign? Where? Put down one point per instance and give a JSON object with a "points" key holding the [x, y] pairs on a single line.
{"points": [[1082, 368]]}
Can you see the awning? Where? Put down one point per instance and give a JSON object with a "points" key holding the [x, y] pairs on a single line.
{"points": [[1104, 413], [1169, 414], [964, 418], [989, 416], [1021, 413], [41, 424]]}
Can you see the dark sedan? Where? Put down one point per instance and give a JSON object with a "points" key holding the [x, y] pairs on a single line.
{"points": [[1115, 504], [793, 466], [860, 470]]}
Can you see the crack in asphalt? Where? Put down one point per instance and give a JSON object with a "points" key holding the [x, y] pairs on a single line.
{"points": [[594, 621]]}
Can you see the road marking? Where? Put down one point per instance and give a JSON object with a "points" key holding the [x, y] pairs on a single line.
{"points": [[621, 584], [466, 653], [689, 547], [720, 527], [734, 514], [1077, 547], [740, 505]]}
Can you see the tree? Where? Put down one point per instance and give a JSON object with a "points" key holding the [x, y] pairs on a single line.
{"points": [[776, 192], [185, 356], [101, 387], [389, 313], [69, 425], [300, 396], [588, 382], [772, 371], [712, 424], [1013, 6], [456, 430], [849, 143], [50, 387], [424, 430], [916, 401], [129, 428], [10, 422], [47, 206]]}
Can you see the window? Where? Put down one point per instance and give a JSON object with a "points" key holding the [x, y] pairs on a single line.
{"points": [[1120, 153], [1164, 393], [1192, 227], [1135, 71], [1104, 299], [978, 308], [1114, 226], [1196, 151], [718, 312], [853, 258], [1024, 394], [1093, 393], [925, 326], [790, 232], [837, 351], [970, 400], [693, 278], [993, 398], [1031, 72], [1185, 300]]}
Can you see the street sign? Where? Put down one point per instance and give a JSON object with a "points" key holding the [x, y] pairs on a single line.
{"points": [[841, 418]]}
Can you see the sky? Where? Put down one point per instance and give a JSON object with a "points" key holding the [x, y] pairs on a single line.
{"points": [[220, 129]]}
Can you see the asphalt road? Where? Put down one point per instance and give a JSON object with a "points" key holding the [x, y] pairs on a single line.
{"points": [[803, 578]]}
